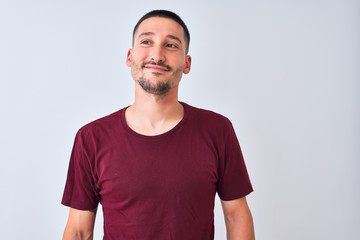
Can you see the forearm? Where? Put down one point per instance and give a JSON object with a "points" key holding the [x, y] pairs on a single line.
{"points": [[240, 227], [75, 235]]}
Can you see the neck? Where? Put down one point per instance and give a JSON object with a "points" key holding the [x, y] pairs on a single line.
{"points": [[152, 114]]}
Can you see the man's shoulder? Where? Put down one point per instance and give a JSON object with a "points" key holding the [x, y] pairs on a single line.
{"points": [[208, 119], [109, 121], [206, 114]]}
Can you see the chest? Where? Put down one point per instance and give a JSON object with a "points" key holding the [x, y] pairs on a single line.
{"points": [[130, 170]]}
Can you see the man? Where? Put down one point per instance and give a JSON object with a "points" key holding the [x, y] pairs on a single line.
{"points": [[156, 165]]}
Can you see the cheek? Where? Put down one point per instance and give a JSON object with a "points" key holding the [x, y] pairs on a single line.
{"points": [[139, 55], [135, 70], [179, 71], [135, 67], [180, 65], [136, 60]]}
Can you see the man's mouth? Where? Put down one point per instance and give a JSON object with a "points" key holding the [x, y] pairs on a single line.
{"points": [[156, 67]]}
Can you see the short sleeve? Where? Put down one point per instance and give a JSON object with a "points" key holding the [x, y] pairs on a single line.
{"points": [[234, 180], [80, 188]]}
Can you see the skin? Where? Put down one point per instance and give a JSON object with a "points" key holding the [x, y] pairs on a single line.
{"points": [[238, 220], [80, 225], [158, 41], [158, 60]]}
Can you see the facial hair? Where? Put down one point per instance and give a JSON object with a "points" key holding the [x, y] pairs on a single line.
{"points": [[161, 88]]}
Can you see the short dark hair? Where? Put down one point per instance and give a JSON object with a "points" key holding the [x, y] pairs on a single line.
{"points": [[165, 14]]}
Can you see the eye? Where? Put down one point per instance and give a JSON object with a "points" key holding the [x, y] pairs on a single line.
{"points": [[145, 42], [170, 45]]}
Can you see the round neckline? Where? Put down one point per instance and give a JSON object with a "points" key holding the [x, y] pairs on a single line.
{"points": [[153, 137]]}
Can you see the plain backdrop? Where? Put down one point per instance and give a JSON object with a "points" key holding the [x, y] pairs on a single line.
{"points": [[286, 73]]}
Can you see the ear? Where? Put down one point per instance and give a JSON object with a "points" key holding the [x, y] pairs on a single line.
{"points": [[128, 58], [187, 64]]}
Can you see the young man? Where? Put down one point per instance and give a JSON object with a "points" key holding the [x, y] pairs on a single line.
{"points": [[156, 165]]}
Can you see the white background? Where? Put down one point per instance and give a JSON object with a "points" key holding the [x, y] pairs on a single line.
{"points": [[287, 74]]}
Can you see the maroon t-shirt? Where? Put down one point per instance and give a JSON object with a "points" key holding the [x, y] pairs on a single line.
{"points": [[156, 187]]}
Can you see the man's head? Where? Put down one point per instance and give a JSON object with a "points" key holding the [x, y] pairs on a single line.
{"points": [[165, 14], [159, 57]]}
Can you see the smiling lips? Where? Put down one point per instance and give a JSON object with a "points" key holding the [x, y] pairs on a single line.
{"points": [[156, 68]]}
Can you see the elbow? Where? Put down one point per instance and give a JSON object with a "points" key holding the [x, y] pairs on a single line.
{"points": [[71, 234]]}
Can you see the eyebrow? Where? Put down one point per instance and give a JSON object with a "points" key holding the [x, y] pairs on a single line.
{"points": [[146, 34], [151, 33], [174, 37]]}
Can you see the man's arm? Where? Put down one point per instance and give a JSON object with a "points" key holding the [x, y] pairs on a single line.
{"points": [[80, 225], [238, 220]]}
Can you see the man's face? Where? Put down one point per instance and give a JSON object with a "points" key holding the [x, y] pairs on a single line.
{"points": [[158, 58]]}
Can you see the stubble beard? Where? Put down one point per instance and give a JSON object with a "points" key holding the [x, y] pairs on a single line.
{"points": [[160, 88]]}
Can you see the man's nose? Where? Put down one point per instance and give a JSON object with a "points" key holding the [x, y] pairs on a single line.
{"points": [[158, 54]]}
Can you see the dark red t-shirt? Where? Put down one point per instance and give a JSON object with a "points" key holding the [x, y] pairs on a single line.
{"points": [[156, 187]]}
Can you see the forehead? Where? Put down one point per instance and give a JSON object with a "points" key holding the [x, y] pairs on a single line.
{"points": [[160, 25]]}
